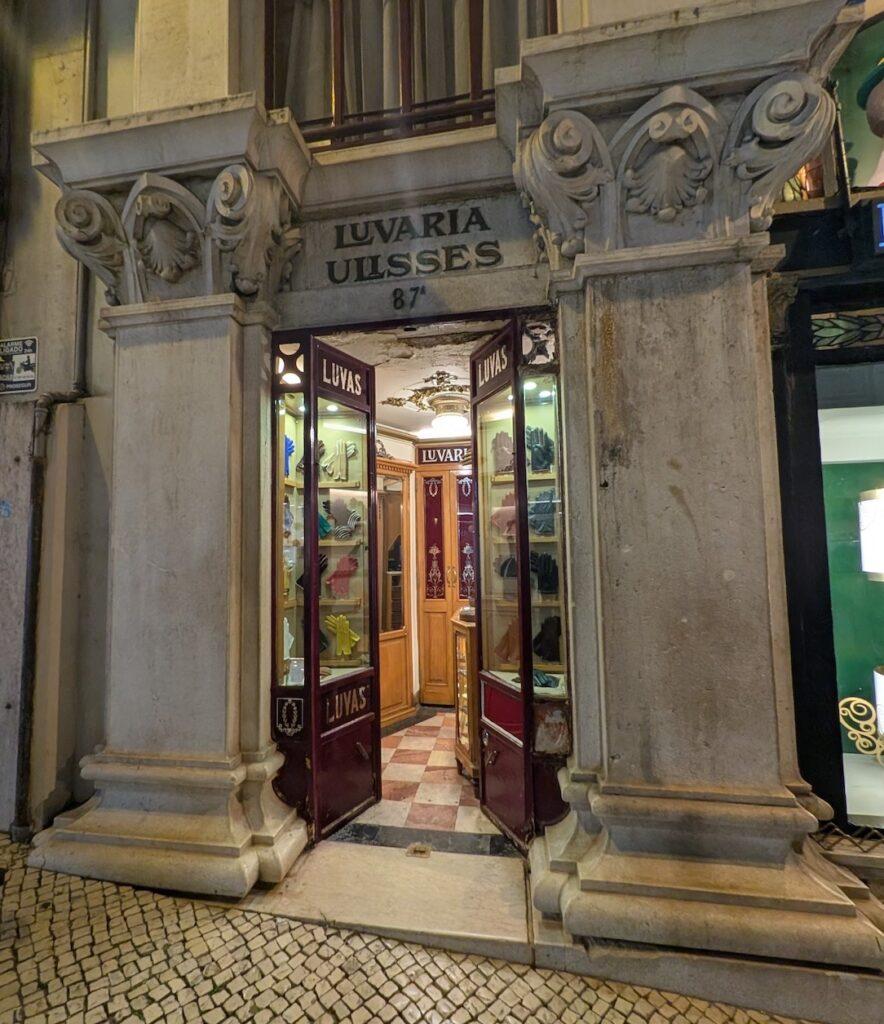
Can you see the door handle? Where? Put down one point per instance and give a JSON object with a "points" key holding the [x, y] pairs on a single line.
{"points": [[452, 576], [362, 751]]}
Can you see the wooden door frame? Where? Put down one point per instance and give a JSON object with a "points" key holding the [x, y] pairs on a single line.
{"points": [[387, 466]]}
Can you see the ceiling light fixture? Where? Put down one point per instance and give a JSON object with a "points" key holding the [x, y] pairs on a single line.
{"points": [[291, 378], [530, 385], [451, 414]]}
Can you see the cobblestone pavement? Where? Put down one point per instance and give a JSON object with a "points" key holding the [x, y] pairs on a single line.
{"points": [[85, 952]]}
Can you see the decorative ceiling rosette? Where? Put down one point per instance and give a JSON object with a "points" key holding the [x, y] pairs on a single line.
{"points": [[668, 153], [562, 167], [779, 126]]}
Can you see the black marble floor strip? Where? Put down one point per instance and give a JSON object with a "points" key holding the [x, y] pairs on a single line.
{"points": [[440, 842]]}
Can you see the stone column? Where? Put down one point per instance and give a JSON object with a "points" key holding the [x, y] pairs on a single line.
{"points": [[192, 262], [650, 155]]}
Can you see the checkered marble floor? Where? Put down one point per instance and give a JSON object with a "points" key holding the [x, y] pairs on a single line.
{"points": [[74, 951], [421, 786]]}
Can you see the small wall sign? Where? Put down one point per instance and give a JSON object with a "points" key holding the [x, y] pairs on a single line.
{"points": [[444, 454], [18, 365]]}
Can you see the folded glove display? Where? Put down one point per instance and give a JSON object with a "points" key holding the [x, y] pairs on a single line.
{"points": [[320, 451], [546, 569], [337, 464], [504, 518], [345, 638], [546, 643], [325, 527], [507, 648], [506, 566], [544, 681], [502, 452], [339, 581], [289, 452], [541, 513], [323, 565], [347, 520], [540, 448]]}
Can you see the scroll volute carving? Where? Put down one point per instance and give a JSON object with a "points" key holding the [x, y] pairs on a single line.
{"points": [[89, 228], [250, 221], [668, 158], [165, 226], [780, 125], [562, 168]]}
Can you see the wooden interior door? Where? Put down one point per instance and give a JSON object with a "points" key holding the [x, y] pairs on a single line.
{"points": [[394, 590], [446, 573], [435, 587]]}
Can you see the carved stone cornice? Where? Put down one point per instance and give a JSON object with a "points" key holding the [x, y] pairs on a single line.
{"points": [[197, 223], [655, 163]]}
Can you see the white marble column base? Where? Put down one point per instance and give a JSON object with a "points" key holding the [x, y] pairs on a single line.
{"points": [[749, 891], [168, 824], [278, 833]]}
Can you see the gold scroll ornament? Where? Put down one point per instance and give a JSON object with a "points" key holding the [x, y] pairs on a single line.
{"points": [[344, 637], [859, 718]]}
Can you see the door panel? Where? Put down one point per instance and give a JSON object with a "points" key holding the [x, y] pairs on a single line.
{"points": [[325, 685], [395, 662], [347, 756], [394, 591], [436, 675], [503, 782]]}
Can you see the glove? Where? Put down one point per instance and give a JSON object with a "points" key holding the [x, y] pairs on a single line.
{"points": [[547, 571], [502, 452], [541, 513], [337, 464], [345, 638], [289, 452], [504, 518], [323, 565], [507, 648], [544, 681], [546, 644], [339, 581], [320, 451], [541, 449]]}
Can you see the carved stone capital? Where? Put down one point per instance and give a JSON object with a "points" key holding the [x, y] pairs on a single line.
{"points": [[682, 166], [215, 213], [161, 241]]}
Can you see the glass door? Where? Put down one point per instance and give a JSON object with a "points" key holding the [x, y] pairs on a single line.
{"points": [[498, 460], [522, 599], [325, 688]]}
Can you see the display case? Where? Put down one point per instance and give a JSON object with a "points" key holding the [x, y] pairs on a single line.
{"points": [[522, 606], [324, 686], [466, 697]]}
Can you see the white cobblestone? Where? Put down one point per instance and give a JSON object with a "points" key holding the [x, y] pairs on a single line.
{"points": [[87, 952]]}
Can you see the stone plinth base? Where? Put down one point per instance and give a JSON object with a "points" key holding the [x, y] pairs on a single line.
{"points": [[179, 825], [704, 875]]}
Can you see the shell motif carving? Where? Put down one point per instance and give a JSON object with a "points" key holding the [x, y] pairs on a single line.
{"points": [[164, 224], [89, 228], [670, 169], [667, 155], [780, 125], [562, 167], [168, 247]]}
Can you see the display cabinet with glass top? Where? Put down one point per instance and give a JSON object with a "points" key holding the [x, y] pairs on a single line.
{"points": [[324, 687], [522, 602]]}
